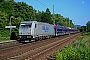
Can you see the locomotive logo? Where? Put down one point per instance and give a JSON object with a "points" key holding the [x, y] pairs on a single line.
{"points": [[45, 28]]}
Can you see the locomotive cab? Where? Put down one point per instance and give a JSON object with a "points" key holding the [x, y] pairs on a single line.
{"points": [[25, 31]]}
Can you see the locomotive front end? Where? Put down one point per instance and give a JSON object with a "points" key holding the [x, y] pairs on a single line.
{"points": [[25, 31]]}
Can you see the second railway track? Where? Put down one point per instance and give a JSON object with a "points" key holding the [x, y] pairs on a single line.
{"points": [[36, 50]]}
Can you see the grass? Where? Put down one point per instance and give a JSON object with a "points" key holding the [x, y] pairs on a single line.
{"points": [[80, 50], [4, 39]]}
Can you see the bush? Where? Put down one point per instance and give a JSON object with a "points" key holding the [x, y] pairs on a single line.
{"points": [[4, 33], [4, 38], [86, 33], [77, 51]]}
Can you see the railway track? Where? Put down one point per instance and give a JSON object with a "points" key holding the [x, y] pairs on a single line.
{"points": [[7, 44], [36, 50]]}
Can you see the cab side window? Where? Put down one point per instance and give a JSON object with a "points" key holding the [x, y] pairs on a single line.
{"points": [[35, 25]]}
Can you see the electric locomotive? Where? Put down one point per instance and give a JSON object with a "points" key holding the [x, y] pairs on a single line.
{"points": [[33, 31]]}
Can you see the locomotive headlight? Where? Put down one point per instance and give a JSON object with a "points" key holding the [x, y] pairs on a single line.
{"points": [[28, 36], [20, 33], [19, 36], [28, 33]]}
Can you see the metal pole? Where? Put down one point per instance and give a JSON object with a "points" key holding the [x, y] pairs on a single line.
{"points": [[86, 27], [69, 23], [66, 22], [83, 28], [10, 25], [53, 15]]}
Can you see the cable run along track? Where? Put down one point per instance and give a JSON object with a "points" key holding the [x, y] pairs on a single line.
{"points": [[37, 50]]}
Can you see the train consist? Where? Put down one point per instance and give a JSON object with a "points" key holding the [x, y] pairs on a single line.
{"points": [[33, 31]]}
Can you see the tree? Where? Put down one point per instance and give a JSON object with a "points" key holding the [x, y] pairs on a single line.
{"points": [[7, 7], [16, 21], [24, 11], [38, 15], [46, 16], [48, 13], [3, 20], [88, 26]]}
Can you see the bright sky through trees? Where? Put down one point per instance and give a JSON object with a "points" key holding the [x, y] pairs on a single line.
{"points": [[77, 10]]}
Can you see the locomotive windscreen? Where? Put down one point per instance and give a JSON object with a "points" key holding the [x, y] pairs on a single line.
{"points": [[25, 25]]}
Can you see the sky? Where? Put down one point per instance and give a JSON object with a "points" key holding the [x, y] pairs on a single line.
{"points": [[77, 10]]}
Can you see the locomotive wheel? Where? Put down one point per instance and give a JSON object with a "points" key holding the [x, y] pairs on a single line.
{"points": [[43, 37], [40, 38], [36, 39]]}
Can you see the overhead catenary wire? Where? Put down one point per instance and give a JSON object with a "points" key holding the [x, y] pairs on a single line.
{"points": [[46, 6], [50, 9], [49, 3], [41, 3], [53, 9]]}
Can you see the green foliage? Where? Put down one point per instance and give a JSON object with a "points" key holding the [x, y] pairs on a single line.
{"points": [[46, 16], [7, 7], [16, 31], [59, 19], [16, 21], [78, 51], [21, 11], [86, 33], [4, 38], [24, 11], [59, 55], [4, 33], [38, 15], [88, 26], [3, 20]]}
